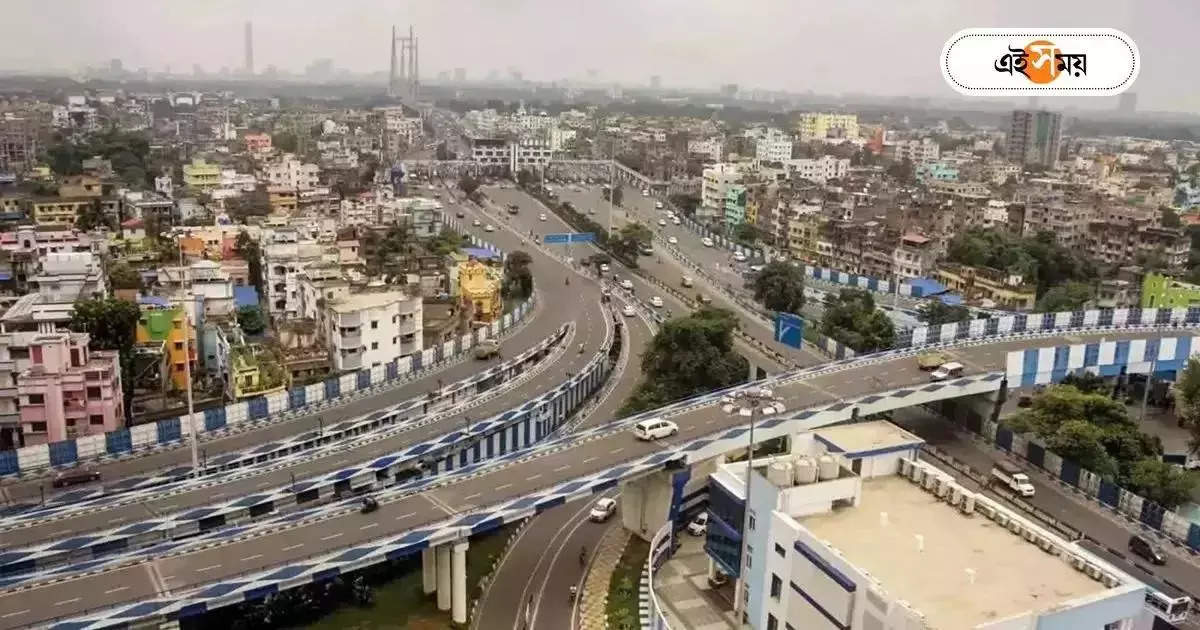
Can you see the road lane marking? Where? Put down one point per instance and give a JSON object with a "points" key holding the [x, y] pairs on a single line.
{"points": [[66, 601], [590, 459], [531, 478], [507, 485], [208, 568], [369, 526], [116, 590], [617, 450], [404, 516], [332, 536], [471, 496], [561, 468], [293, 547], [254, 557], [14, 614]]}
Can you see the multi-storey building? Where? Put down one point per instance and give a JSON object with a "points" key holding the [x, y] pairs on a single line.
{"points": [[735, 205], [818, 126], [1136, 242], [829, 536], [18, 144], [479, 290], [69, 276], [289, 172], [69, 390], [987, 287], [1035, 137], [369, 329], [257, 143], [1066, 219], [819, 170], [773, 148], [200, 176], [172, 327], [515, 155], [916, 151], [284, 256], [714, 190], [711, 148]]}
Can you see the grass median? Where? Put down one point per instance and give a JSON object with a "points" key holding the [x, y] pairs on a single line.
{"points": [[622, 608]]}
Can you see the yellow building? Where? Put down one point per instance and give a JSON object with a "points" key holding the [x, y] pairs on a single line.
{"points": [[282, 199], [172, 327], [479, 287], [200, 175], [257, 371], [81, 186], [817, 125], [57, 211], [1002, 290]]}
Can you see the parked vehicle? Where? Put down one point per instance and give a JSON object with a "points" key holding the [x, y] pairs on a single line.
{"points": [[627, 284], [1147, 550], [707, 242], [662, 223], [952, 369], [460, 214], [703, 299], [654, 428], [75, 476], [603, 510], [672, 240], [658, 205], [603, 267], [487, 349], [542, 217], [687, 282], [656, 302], [1012, 478], [475, 222], [628, 311], [739, 257], [699, 525]]}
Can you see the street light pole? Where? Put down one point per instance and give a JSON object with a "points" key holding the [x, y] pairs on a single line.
{"points": [[187, 365]]}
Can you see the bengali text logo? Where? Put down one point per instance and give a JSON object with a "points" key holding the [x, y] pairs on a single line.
{"points": [[1081, 61]]}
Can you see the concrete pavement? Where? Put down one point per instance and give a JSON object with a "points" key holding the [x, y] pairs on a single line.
{"points": [[593, 603]]}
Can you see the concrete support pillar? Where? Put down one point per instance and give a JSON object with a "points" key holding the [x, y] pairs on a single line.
{"points": [[458, 581], [646, 504], [712, 568], [428, 571], [443, 577]]}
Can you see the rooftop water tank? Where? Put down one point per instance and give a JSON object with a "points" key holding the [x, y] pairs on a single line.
{"points": [[805, 470], [828, 467], [780, 474]]}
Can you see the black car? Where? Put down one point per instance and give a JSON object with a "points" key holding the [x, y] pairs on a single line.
{"points": [[369, 504], [460, 214], [1141, 546], [72, 477]]}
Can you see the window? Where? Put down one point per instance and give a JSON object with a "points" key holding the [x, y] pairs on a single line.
{"points": [[179, 345], [36, 399], [95, 420], [776, 586], [374, 324], [374, 345], [93, 392], [772, 622], [751, 523], [37, 427], [179, 367], [779, 550]]}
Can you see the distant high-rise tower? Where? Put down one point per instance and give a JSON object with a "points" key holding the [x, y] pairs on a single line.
{"points": [[655, 82], [1035, 137], [409, 73], [249, 48], [1128, 103]]}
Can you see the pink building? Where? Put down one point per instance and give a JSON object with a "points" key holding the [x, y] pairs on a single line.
{"points": [[68, 391], [257, 142]]}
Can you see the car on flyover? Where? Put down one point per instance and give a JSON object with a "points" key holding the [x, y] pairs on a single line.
{"points": [[656, 302], [75, 476], [489, 228], [654, 429], [603, 510], [628, 311]]}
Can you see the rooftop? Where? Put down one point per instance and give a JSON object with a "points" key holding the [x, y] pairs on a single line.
{"points": [[862, 439], [1012, 576], [368, 300]]}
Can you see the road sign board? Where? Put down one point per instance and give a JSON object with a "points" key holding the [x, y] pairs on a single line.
{"points": [[789, 329], [566, 239]]}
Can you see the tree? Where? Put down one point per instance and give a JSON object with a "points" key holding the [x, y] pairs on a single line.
{"points": [[1037, 259], [446, 242], [780, 287], [251, 320], [936, 312], [468, 185], [249, 250], [630, 240], [616, 193], [111, 324], [123, 276], [91, 217], [688, 356], [1163, 483], [1170, 218], [745, 234], [285, 141], [518, 280], [1087, 382], [1071, 296], [903, 171], [686, 203], [852, 319], [526, 178]]}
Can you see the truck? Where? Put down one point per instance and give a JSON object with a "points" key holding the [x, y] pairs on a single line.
{"points": [[1012, 478], [487, 349], [930, 361]]}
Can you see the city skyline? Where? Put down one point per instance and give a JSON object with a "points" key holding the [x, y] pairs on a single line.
{"points": [[779, 46]]}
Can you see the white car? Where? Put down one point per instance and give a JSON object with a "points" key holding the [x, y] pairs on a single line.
{"points": [[628, 311], [672, 240], [756, 268], [656, 302], [475, 222], [739, 257], [489, 228], [654, 428], [699, 525], [645, 192], [542, 217], [627, 284], [662, 223], [707, 242], [603, 509], [658, 205], [603, 267], [674, 220]]}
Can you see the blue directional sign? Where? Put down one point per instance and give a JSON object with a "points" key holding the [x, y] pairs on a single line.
{"points": [[567, 239], [789, 329]]}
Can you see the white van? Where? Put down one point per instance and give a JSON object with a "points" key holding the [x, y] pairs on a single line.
{"points": [[654, 428], [952, 369]]}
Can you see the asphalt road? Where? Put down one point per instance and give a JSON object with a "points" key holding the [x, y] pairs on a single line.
{"points": [[181, 573], [582, 308]]}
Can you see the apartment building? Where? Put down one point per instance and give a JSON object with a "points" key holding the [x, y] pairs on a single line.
{"points": [[1136, 242], [819, 126], [917, 151], [987, 287], [773, 149], [18, 143], [1035, 137], [257, 143], [65, 277], [1067, 219], [372, 328], [203, 283], [284, 256], [711, 148], [171, 326], [717, 179], [201, 176], [819, 170], [290, 172], [514, 155], [68, 390], [837, 527]]}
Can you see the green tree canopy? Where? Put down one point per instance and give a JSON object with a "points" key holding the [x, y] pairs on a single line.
{"points": [[251, 320], [689, 356], [1072, 296], [630, 240], [468, 185], [745, 234], [780, 287], [285, 141], [1037, 259], [1165, 484], [249, 250], [616, 193], [123, 276], [446, 242], [1170, 218], [935, 312], [851, 318], [111, 325], [518, 279], [92, 216]]}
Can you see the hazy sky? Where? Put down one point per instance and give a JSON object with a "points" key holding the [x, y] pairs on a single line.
{"points": [[886, 47]]}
